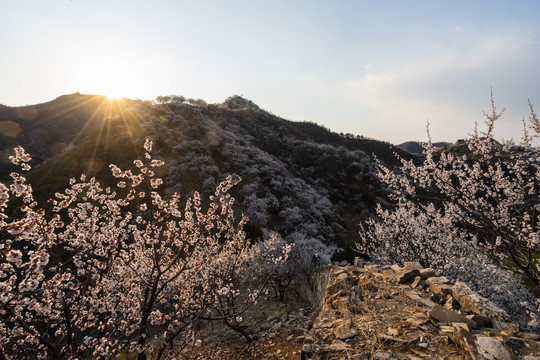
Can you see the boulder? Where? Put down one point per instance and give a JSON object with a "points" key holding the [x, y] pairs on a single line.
{"points": [[443, 315], [427, 273], [439, 285], [472, 302], [408, 273], [420, 301], [466, 342], [492, 349]]}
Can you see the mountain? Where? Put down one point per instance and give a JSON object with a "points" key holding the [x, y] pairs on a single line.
{"points": [[298, 178], [415, 147], [45, 130]]}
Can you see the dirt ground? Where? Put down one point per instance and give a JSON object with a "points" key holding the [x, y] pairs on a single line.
{"points": [[278, 329]]}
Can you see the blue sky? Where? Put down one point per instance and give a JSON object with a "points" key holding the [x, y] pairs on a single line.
{"points": [[375, 68]]}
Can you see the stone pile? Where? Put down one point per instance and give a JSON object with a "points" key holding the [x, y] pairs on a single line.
{"points": [[391, 312]]}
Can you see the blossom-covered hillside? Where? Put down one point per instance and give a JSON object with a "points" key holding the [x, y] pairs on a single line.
{"points": [[298, 178]]}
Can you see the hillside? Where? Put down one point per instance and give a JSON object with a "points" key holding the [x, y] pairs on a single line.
{"points": [[415, 147], [299, 178]]}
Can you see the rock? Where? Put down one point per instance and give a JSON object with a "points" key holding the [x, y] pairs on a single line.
{"points": [[344, 331], [366, 355], [413, 265], [449, 316], [418, 319], [479, 319], [492, 349], [446, 329], [300, 339], [395, 267], [417, 282], [343, 277], [451, 304], [427, 273], [392, 332], [529, 336], [439, 285], [463, 326], [372, 268], [354, 301], [384, 356], [410, 271], [359, 262], [420, 301], [389, 338], [334, 289], [470, 301], [309, 348], [338, 346], [466, 342]]}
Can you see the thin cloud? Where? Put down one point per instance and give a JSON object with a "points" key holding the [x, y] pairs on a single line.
{"points": [[448, 86]]}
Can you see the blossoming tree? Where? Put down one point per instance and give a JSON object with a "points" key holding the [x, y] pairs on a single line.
{"points": [[475, 212], [99, 272]]}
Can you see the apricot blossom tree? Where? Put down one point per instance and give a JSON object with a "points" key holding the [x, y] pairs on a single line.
{"points": [[461, 207], [98, 272]]}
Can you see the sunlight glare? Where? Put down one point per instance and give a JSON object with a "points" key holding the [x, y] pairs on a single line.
{"points": [[113, 77]]}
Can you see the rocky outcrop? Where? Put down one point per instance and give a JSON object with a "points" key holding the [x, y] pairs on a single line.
{"points": [[391, 312]]}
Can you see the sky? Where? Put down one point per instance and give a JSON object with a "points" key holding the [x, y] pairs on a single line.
{"points": [[380, 69]]}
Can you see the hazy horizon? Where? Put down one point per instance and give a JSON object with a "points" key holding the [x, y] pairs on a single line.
{"points": [[380, 70]]}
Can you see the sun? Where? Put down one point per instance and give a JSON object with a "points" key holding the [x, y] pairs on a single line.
{"points": [[113, 77]]}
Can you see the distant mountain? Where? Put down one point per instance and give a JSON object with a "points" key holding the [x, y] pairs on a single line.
{"points": [[45, 130], [415, 147], [299, 178]]}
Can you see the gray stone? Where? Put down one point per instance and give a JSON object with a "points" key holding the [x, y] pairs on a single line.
{"points": [[439, 285], [418, 282], [427, 273], [372, 268], [449, 316], [466, 342], [451, 304], [409, 272], [480, 320], [366, 355], [309, 348], [420, 301], [359, 262], [384, 356], [418, 319], [470, 301], [395, 267], [338, 346], [492, 349], [413, 265], [344, 331]]}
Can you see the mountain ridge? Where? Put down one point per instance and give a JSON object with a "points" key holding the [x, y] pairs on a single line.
{"points": [[299, 179]]}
